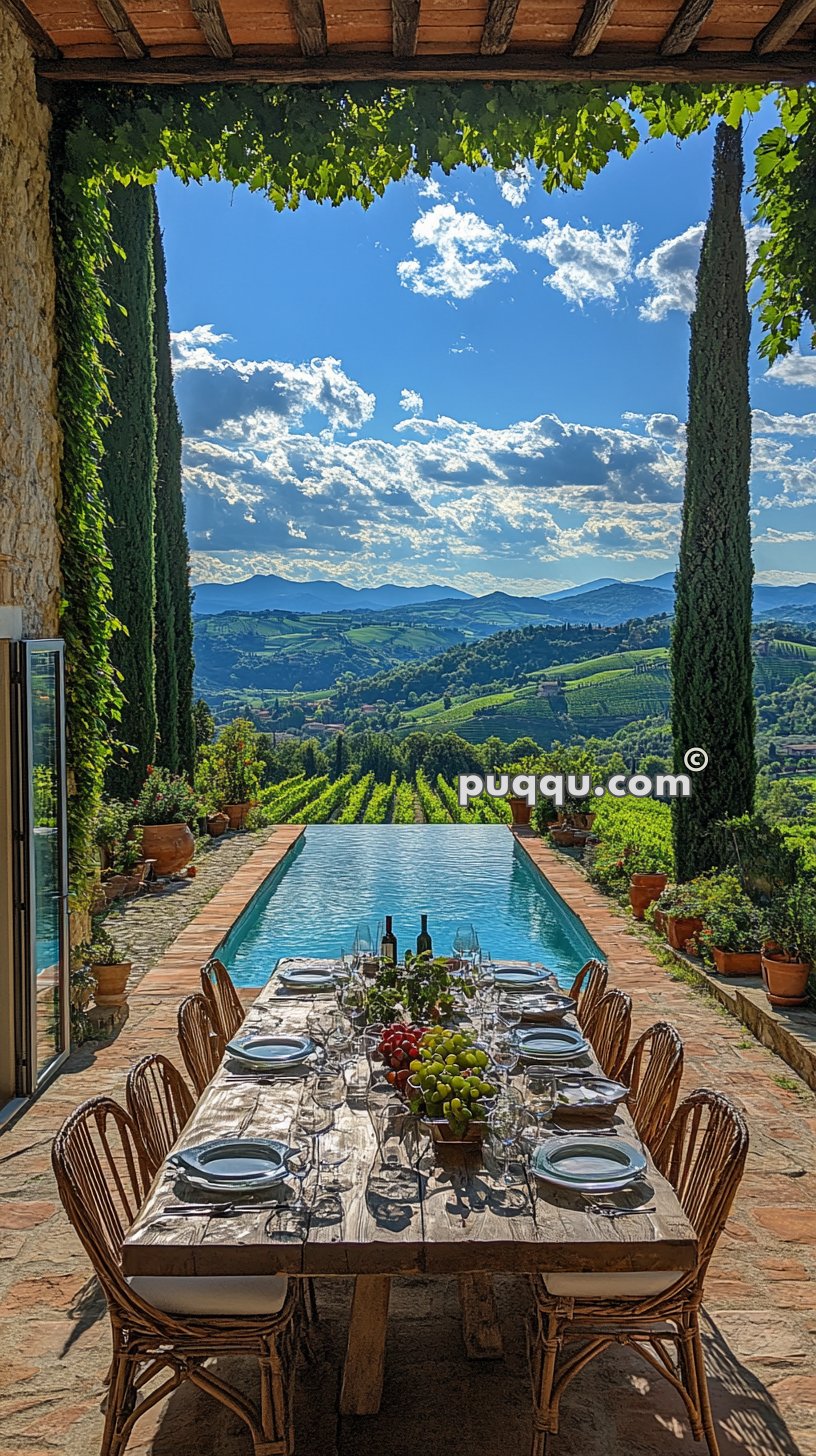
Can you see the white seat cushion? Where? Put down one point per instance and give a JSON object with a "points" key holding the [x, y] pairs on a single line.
{"points": [[639, 1285], [229, 1294]]}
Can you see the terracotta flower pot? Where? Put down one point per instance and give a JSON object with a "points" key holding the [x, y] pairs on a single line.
{"points": [[110, 983], [520, 810], [582, 821], [170, 846], [659, 921], [643, 891], [737, 962], [564, 836], [681, 928], [217, 824], [785, 981], [237, 814]]}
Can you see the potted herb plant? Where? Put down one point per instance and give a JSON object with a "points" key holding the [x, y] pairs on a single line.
{"points": [[109, 971], [677, 909], [165, 808], [790, 924], [732, 927]]}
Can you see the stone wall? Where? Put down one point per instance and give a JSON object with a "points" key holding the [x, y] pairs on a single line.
{"points": [[29, 434]]}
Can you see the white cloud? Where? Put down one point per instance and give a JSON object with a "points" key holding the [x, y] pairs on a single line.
{"points": [[430, 187], [515, 183], [768, 424], [411, 401], [670, 271], [260, 396], [795, 369], [467, 254], [587, 264]]}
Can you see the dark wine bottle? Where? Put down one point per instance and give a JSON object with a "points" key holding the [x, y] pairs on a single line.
{"points": [[388, 944], [424, 939]]}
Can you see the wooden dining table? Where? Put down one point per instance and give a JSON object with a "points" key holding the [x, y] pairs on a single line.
{"points": [[459, 1221]]}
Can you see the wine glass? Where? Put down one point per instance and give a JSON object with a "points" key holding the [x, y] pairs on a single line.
{"points": [[300, 1163], [465, 941], [329, 1088], [335, 1147], [506, 1120], [505, 1053], [509, 1011], [541, 1095], [363, 944]]}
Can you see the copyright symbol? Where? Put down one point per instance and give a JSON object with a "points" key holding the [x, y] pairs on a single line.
{"points": [[695, 759]]}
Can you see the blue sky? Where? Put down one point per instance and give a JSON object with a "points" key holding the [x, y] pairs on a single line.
{"points": [[472, 382]]}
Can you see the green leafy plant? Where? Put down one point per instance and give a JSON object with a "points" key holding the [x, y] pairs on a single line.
{"points": [[422, 988], [100, 951], [114, 835], [165, 799], [731, 922], [767, 864], [790, 922], [235, 763]]}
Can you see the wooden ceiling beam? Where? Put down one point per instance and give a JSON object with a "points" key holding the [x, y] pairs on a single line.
{"points": [[122, 28], [309, 19], [784, 26], [685, 27], [595, 17], [404, 27], [40, 42], [213, 27], [703, 67], [498, 25]]}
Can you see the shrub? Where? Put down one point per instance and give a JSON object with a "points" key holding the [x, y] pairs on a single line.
{"points": [[235, 763], [165, 799], [114, 835], [403, 804], [634, 839]]}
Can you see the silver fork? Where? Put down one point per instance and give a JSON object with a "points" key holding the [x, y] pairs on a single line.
{"points": [[605, 1211]]}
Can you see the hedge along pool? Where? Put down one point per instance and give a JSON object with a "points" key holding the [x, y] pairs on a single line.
{"points": [[339, 875]]}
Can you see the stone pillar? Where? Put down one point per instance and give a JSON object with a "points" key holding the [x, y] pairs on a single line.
{"points": [[29, 433]]}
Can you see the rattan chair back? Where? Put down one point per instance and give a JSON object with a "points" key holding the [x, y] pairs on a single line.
{"points": [[653, 1071], [160, 1103], [702, 1153], [222, 998], [201, 1042], [607, 1029], [588, 988]]}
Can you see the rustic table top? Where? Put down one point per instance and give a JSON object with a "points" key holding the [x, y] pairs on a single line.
{"points": [[459, 1220]]}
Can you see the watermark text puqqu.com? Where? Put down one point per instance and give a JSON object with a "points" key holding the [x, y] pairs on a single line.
{"points": [[560, 787]]}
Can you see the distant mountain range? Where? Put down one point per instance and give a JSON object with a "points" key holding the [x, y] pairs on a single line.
{"points": [[277, 594], [605, 601]]}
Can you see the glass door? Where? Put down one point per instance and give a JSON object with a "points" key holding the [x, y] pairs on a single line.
{"points": [[42, 871]]}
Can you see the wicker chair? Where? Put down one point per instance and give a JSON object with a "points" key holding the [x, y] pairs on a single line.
{"points": [[588, 988], [222, 998], [170, 1327], [159, 1102], [702, 1154], [653, 1071], [201, 1043], [608, 1027]]}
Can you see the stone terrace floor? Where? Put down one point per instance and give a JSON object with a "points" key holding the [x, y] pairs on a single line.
{"points": [[761, 1304]]}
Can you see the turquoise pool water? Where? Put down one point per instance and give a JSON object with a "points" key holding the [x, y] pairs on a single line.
{"points": [[338, 875]]}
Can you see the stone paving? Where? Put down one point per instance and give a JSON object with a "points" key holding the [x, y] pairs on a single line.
{"points": [[761, 1304]]}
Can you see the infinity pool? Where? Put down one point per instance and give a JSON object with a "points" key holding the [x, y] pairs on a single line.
{"points": [[339, 875]]}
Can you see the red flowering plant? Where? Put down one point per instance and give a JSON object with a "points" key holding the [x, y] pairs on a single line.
{"points": [[165, 798]]}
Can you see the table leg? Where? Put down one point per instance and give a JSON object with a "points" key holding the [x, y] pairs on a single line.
{"points": [[365, 1353], [481, 1330]]}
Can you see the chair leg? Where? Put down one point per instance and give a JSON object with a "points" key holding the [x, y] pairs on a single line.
{"points": [[276, 1407], [704, 1402], [543, 1355], [120, 1399]]}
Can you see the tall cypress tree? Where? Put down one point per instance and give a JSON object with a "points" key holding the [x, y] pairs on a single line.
{"points": [[712, 698], [174, 629], [129, 476]]}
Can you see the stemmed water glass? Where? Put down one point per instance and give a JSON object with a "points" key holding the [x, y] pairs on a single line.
{"points": [[504, 1050], [541, 1096], [335, 1147], [506, 1121], [509, 1011]]}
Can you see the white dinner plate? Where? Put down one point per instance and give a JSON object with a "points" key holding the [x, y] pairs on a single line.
{"points": [[590, 1094], [520, 978], [306, 978], [547, 1008], [583, 1162], [234, 1163], [550, 1043], [270, 1051]]}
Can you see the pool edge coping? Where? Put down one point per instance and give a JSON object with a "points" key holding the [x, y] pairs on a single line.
{"points": [[176, 972]]}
